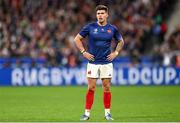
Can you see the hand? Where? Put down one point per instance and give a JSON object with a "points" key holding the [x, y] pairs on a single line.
{"points": [[88, 56], [112, 56]]}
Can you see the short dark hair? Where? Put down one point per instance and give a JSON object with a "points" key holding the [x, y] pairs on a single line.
{"points": [[102, 7]]}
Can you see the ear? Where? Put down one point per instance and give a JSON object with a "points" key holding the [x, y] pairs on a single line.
{"points": [[107, 15]]}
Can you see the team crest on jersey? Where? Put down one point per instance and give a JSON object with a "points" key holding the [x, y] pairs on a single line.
{"points": [[95, 30], [109, 31], [89, 72]]}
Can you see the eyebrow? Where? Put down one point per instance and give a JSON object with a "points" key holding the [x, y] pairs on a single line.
{"points": [[100, 12]]}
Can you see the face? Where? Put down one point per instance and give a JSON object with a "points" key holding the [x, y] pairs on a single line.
{"points": [[101, 16]]}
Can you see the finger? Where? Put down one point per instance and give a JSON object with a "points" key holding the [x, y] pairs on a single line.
{"points": [[92, 58], [109, 58], [89, 59], [108, 55]]}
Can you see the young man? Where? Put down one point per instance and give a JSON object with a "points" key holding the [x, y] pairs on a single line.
{"points": [[99, 56]]}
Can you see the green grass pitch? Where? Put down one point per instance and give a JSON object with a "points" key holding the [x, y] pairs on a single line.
{"points": [[129, 103]]}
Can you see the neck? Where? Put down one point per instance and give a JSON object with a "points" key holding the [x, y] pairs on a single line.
{"points": [[102, 23]]}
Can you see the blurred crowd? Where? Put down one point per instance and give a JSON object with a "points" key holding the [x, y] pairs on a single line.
{"points": [[170, 49], [45, 29]]}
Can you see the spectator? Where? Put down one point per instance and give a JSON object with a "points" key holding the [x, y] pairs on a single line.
{"points": [[36, 29]]}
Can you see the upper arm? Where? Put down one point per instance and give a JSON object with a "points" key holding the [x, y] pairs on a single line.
{"points": [[117, 36], [78, 37], [84, 31], [121, 41]]}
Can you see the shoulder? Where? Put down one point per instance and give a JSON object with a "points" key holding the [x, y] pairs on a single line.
{"points": [[113, 27], [89, 25], [93, 24]]}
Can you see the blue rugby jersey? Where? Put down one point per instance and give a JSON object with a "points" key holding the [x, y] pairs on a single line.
{"points": [[99, 43]]}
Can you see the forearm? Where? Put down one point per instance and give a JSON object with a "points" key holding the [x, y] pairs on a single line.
{"points": [[79, 44], [119, 46]]}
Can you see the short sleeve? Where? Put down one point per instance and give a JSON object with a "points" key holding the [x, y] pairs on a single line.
{"points": [[117, 36], [84, 31]]}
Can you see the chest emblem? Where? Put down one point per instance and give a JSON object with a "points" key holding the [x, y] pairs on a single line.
{"points": [[95, 30], [109, 31]]}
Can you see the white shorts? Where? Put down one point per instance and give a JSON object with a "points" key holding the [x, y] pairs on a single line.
{"points": [[99, 70]]}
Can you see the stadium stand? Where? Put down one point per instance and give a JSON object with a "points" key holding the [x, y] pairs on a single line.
{"points": [[41, 33]]}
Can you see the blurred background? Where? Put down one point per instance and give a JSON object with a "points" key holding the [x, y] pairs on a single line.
{"points": [[40, 33], [37, 49]]}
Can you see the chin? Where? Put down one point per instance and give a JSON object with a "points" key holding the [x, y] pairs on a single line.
{"points": [[101, 21]]}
